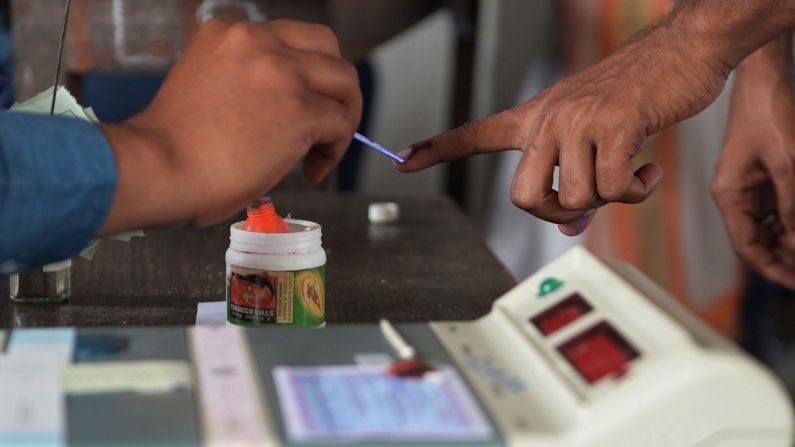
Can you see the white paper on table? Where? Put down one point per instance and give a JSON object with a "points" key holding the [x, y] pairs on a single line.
{"points": [[230, 400], [58, 343], [142, 376], [353, 403], [32, 405], [211, 314]]}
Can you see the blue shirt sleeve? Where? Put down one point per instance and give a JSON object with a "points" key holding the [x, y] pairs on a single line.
{"points": [[57, 181]]}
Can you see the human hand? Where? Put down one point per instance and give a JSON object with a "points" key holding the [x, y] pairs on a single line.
{"points": [[244, 103], [754, 185], [592, 125]]}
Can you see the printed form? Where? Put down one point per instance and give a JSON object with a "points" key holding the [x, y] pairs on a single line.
{"points": [[354, 403]]}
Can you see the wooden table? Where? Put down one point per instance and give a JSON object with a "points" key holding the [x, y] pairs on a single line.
{"points": [[430, 265]]}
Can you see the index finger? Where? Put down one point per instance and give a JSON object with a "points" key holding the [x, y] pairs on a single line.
{"points": [[500, 132]]}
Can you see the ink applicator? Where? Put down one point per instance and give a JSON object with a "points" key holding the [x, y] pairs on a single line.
{"points": [[409, 363], [382, 149]]}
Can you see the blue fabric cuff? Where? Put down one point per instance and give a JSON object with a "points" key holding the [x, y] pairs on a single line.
{"points": [[57, 182]]}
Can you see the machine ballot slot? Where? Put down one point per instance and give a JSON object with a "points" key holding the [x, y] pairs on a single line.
{"points": [[598, 352], [561, 314]]}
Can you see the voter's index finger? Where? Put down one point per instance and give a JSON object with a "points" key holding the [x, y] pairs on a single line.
{"points": [[500, 132]]}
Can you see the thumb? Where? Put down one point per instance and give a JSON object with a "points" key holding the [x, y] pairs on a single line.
{"points": [[499, 132]]}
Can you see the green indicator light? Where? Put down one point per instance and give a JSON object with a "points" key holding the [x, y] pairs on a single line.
{"points": [[549, 285]]}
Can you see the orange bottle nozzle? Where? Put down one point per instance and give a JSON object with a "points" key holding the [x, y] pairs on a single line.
{"points": [[261, 217]]}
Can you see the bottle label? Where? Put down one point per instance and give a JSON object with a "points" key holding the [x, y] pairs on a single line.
{"points": [[260, 297]]}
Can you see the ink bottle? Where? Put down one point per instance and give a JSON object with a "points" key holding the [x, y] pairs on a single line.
{"points": [[275, 270]]}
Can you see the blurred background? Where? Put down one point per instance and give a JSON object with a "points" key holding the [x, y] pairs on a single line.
{"points": [[426, 66]]}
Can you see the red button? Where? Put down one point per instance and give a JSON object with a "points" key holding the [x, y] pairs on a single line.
{"points": [[561, 314], [598, 352]]}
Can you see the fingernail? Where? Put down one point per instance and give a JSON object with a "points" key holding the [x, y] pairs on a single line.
{"points": [[407, 154], [412, 150], [578, 226]]}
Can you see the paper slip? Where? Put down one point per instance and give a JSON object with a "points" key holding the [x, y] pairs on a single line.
{"points": [[31, 403], [230, 400], [373, 359], [211, 314], [57, 343], [160, 376], [65, 105], [352, 403]]}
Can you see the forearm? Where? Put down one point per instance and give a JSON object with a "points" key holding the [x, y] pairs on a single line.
{"points": [[57, 180], [725, 32]]}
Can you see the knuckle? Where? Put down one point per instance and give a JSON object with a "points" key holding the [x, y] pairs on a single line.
{"points": [[550, 120], [326, 34], [579, 113], [573, 200], [271, 61], [469, 131], [278, 68], [240, 34], [522, 198], [719, 188], [616, 137]]}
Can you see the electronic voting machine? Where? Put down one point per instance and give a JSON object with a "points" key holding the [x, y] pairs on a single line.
{"points": [[583, 353]]}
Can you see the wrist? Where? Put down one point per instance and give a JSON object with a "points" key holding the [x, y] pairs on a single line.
{"points": [[148, 188]]}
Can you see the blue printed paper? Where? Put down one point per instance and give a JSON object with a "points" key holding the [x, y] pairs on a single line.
{"points": [[353, 403]]}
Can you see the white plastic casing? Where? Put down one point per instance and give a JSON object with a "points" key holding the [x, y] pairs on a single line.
{"points": [[689, 386], [299, 249]]}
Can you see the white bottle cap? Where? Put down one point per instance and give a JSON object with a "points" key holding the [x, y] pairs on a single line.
{"points": [[383, 212]]}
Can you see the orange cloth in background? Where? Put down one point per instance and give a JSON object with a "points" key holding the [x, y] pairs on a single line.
{"points": [[669, 240]]}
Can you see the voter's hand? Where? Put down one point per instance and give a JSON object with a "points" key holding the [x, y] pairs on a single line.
{"points": [[592, 125], [754, 184], [244, 104]]}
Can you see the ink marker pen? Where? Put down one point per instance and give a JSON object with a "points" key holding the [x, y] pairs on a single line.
{"points": [[372, 144]]}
